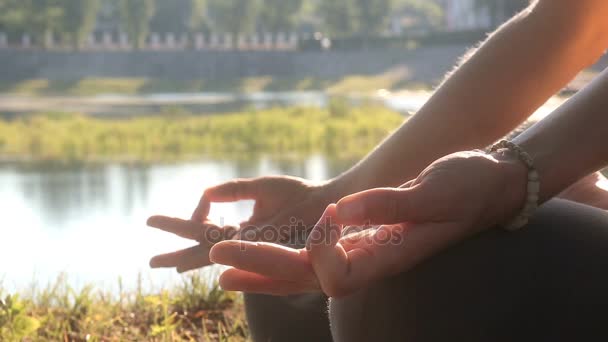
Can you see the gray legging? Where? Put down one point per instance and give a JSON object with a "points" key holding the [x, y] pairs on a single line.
{"points": [[547, 282]]}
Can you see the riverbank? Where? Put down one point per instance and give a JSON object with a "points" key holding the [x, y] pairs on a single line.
{"points": [[190, 311], [339, 130], [90, 86]]}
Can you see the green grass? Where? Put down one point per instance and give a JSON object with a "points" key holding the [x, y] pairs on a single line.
{"points": [[133, 86], [339, 131], [190, 311]]}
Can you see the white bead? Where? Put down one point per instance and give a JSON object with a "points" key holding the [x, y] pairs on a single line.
{"points": [[532, 198], [533, 175], [533, 187]]}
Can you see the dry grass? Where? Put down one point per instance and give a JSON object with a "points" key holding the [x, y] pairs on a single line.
{"points": [[191, 311]]}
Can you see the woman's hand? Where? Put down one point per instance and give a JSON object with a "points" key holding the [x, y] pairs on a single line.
{"points": [[455, 197], [283, 205]]}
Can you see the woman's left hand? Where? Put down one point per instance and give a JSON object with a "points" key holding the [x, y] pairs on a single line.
{"points": [[455, 197]]}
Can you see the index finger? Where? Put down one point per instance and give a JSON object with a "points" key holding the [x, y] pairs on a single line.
{"points": [[266, 259], [200, 232]]}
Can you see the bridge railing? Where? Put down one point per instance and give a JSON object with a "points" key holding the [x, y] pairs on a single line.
{"points": [[161, 42]]}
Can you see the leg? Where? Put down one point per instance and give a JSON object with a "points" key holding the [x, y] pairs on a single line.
{"points": [[544, 283], [591, 190], [294, 318]]}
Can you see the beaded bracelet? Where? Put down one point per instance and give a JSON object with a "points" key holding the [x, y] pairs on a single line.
{"points": [[533, 186]]}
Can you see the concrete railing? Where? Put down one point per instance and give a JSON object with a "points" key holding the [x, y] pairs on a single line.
{"points": [[166, 41]]}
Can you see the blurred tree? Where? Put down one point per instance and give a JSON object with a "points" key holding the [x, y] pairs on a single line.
{"points": [[500, 10], [359, 17], [233, 16], [135, 17], [198, 10], [338, 16], [79, 19], [372, 16], [421, 14], [178, 16], [36, 17], [279, 15]]}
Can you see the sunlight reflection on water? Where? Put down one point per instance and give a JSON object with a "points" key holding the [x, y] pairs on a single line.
{"points": [[90, 222]]}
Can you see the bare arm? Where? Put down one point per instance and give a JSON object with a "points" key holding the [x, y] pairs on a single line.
{"points": [[572, 141], [514, 72], [427, 214]]}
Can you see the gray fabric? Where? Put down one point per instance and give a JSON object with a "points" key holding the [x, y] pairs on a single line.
{"points": [[547, 282]]}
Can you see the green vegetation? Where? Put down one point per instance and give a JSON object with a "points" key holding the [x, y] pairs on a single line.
{"points": [[234, 16], [500, 10], [190, 311], [280, 15], [339, 131], [79, 21], [72, 21], [135, 17], [354, 84]]}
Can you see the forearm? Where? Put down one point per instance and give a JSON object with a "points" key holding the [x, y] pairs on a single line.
{"points": [[499, 86], [571, 142]]}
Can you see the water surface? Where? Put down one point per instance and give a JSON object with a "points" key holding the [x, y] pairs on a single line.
{"points": [[89, 222]]}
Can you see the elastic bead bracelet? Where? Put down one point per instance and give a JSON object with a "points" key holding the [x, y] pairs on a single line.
{"points": [[533, 187]]}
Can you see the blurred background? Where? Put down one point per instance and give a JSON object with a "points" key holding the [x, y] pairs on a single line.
{"points": [[114, 110]]}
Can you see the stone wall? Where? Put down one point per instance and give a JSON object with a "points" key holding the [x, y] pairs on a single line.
{"points": [[423, 64]]}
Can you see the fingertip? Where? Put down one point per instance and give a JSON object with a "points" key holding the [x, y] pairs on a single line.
{"points": [[326, 228], [350, 210], [152, 221], [215, 253], [219, 253], [224, 280], [154, 263], [331, 210], [202, 211]]}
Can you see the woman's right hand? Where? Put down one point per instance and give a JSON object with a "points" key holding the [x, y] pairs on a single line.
{"points": [[285, 209]]}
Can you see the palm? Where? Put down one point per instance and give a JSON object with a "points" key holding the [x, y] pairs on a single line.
{"points": [[276, 196]]}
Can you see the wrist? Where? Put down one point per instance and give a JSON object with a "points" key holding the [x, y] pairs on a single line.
{"points": [[514, 176], [338, 187]]}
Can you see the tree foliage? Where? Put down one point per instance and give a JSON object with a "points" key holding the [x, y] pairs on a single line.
{"points": [[74, 20], [279, 15], [371, 16], [135, 17], [79, 19], [233, 16], [422, 12], [338, 16], [179, 16], [37, 17], [197, 15], [501, 10], [360, 17]]}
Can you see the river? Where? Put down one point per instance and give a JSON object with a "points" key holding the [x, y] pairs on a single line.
{"points": [[88, 222]]}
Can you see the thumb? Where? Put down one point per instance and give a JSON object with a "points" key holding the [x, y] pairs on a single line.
{"points": [[383, 206], [329, 260], [231, 191]]}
